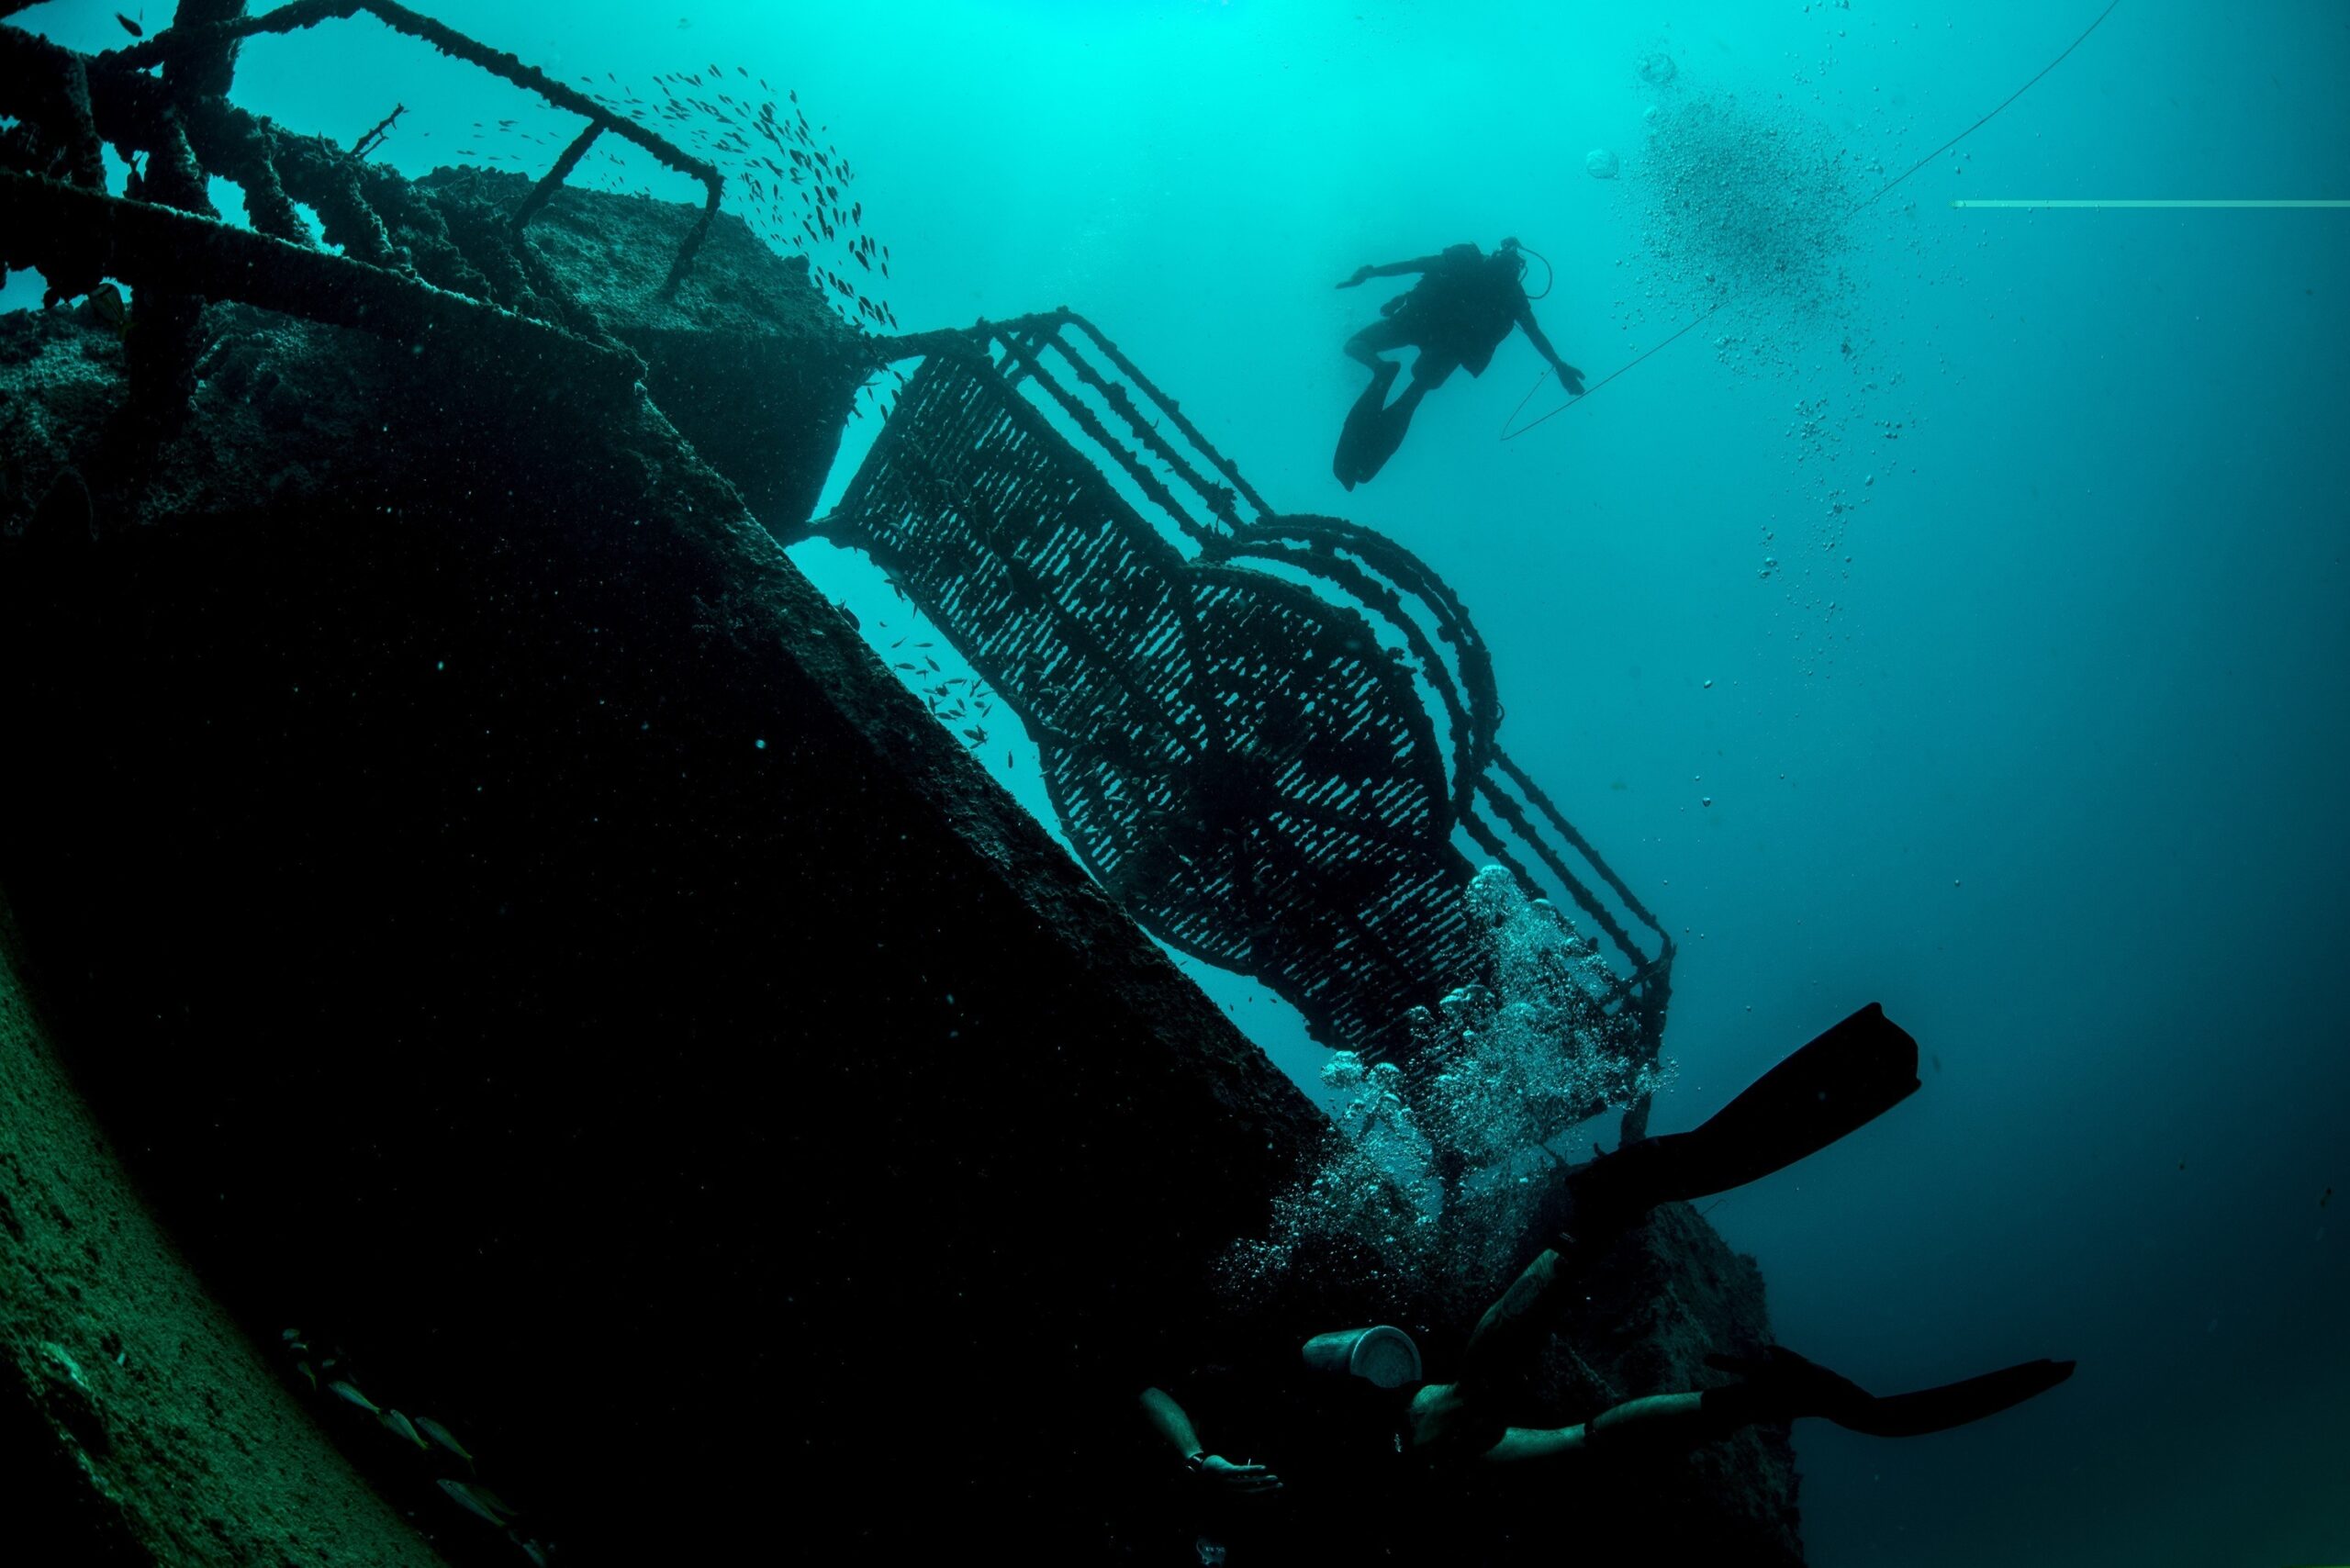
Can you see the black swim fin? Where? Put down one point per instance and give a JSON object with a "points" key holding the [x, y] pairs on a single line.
{"points": [[1843, 1081], [1787, 1385], [1957, 1403], [1370, 434]]}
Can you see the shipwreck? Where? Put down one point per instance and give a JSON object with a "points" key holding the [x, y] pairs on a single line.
{"points": [[462, 888]]}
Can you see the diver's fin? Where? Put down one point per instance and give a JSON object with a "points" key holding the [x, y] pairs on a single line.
{"points": [[1789, 1386], [1363, 444], [1383, 436], [1955, 1403], [1840, 1081], [1844, 1080]]}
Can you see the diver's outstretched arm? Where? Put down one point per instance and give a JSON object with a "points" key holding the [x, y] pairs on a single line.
{"points": [[1569, 377], [1392, 269], [1173, 1426], [1171, 1422]]}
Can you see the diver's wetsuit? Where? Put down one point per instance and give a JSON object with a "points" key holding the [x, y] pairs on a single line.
{"points": [[1465, 303], [1457, 315]]}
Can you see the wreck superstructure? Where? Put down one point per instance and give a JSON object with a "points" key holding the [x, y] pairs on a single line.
{"points": [[503, 912], [1271, 736]]}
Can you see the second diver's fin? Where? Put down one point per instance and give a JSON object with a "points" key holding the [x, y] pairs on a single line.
{"points": [[1955, 1403], [1789, 1386], [1843, 1081]]}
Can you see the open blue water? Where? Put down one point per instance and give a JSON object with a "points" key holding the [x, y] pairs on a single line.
{"points": [[1988, 582]]}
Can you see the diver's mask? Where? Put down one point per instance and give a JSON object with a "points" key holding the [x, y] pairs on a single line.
{"points": [[1383, 1356]]}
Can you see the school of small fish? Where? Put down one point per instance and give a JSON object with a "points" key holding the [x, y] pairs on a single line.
{"points": [[775, 152], [951, 698], [424, 1435], [781, 176]]}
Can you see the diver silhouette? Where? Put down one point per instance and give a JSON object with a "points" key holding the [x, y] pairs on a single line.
{"points": [[1457, 315], [1357, 1450]]}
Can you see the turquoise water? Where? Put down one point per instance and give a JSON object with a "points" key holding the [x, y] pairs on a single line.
{"points": [[1987, 582]]}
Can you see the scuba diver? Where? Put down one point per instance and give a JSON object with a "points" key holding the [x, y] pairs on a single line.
{"points": [[1340, 1450], [1457, 315]]}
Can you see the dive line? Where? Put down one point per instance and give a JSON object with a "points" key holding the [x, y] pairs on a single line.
{"points": [[2156, 204]]}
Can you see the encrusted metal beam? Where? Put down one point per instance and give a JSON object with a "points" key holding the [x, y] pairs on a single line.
{"points": [[154, 246], [207, 39]]}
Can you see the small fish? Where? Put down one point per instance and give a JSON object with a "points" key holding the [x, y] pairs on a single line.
{"points": [[2326, 1199], [290, 1334], [307, 1375], [402, 1428], [105, 303], [443, 1437], [479, 1500], [345, 1390], [532, 1550], [133, 28]]}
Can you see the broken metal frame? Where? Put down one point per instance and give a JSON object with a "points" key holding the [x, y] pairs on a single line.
{"points": [[163, 236], [1057, 371], [147, 245], [1320, 546], [178, 42]]}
